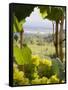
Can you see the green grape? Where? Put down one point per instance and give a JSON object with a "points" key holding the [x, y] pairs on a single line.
{"points": [[19, 77], [35, 75], [24, 81], [36, 81], [47, 62], [36, 60], [53, 79], [18, 74], [44, 80]]}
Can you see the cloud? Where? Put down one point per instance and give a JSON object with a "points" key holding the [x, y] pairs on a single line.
{"points": [[36, 23]]}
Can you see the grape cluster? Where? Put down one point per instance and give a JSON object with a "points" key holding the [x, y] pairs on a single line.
{"points": [[19, 77], [39, 71]]}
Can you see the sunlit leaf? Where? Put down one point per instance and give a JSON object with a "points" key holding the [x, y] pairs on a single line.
{"points": [[18, 26], [22, 56]]}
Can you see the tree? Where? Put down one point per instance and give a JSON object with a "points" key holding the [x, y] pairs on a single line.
{"points": [[20, 12], [52, 15], [63, 11], [55, 14], [53, 29], [17, 27]]}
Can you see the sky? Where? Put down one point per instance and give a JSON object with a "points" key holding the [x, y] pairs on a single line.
{"points": [[35, 23]]}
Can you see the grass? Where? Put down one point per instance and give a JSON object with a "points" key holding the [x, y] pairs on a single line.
{"points": [[42, 50]]}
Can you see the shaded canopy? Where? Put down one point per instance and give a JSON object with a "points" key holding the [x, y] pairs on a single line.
{"points": [[53, 12], [21, 11]]}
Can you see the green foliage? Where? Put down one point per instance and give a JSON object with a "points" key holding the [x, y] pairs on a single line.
{"points": [[53, 13], [22, 56], [17, 26], [29, 70], [18, 55], [43, 11], [22, 11], [61, 73], [54, 68], [58, 68], [26, 52]]}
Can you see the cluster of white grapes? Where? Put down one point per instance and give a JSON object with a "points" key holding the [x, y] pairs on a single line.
{"points": [[20, 78], [45, 80]]}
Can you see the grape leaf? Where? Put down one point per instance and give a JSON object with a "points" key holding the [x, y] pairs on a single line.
{"points": [[17, 26], [22, 56]]}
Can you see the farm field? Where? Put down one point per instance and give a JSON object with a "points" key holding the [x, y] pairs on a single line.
{"points": [[47, 49]]}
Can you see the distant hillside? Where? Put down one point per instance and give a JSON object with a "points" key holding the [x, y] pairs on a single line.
{"points": [[39, 36]]}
